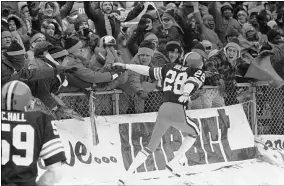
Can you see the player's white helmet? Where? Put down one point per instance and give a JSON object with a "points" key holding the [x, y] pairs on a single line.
{"points": [[16, 95], [193, 59]]}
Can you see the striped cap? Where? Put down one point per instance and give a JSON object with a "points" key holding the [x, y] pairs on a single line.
{"points": [[15, 49], [16, 95]]}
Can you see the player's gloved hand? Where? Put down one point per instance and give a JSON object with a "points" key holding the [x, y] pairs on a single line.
{"points": [[116, 73], [142, 94], [184, 98], [119, 66]]}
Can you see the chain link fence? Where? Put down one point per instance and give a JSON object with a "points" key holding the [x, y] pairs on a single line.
{"points": [[270, 110], [263, 105]]}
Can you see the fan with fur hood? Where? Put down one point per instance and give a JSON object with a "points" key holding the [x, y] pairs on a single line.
{"points": [[56, 8], [18, 21]]}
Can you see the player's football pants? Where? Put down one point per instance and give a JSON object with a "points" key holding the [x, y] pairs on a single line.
{"points": [[171, 114]]}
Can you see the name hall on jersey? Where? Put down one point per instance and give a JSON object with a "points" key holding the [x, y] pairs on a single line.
{"points": [[13, 116]]}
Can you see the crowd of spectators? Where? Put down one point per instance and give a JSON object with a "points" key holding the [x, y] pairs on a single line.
{"points": [[70, 46]]}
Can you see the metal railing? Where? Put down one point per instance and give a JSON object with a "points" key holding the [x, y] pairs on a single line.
{"points": [[263, 105]]}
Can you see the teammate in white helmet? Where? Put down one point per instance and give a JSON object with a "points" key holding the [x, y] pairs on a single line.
{"points": [[179, 83], [26, 137]]}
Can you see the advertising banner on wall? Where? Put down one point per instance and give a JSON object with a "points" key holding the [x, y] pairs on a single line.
{"points": [[225, 137], [271, 149]]}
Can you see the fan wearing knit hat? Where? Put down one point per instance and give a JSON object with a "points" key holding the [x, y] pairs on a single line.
{"points": [[168, 20], [146, 52], [227, 10], [81, 23], [241, 15], [232, 50], [209, 21], [174, 51], [36, 38], [232, 33], [249, 32], [105, 53], [16, 55], [152, 37]]}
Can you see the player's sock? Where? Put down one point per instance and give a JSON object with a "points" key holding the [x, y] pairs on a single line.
{"points": [[185, 146], [138, 160]]}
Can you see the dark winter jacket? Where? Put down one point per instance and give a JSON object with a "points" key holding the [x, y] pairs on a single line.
{"points": [[9, 73], [97, 16]]}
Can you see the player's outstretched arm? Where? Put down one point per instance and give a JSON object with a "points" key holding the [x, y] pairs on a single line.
{"points": [[140, 69], [52, 175]]}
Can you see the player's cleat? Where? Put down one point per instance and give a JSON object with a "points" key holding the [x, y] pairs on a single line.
{"points": [[175, 164], [171, 170], [120, 182]]}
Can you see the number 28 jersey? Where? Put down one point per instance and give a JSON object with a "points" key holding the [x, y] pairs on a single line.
{"points": [[174, 77], [26, 137]]}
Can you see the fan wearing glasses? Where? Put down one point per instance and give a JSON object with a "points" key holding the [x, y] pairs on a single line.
{"points": [[36, 37]]}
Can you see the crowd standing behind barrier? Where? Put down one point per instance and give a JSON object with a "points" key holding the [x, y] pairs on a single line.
{"points": [[57, 47], [263, 105]]}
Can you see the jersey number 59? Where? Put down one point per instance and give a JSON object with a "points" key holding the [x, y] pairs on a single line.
{"points": [[26, 144]]}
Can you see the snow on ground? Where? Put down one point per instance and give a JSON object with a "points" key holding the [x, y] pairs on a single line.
{"points": [[252, 172]]}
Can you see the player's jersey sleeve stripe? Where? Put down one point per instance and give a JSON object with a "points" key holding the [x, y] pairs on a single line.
{"points": [[50, 148], [53, 152], [50, 142], [158, 73]]}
